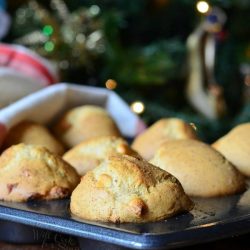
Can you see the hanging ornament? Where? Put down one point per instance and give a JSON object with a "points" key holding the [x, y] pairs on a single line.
{"points": [[203, 91]]}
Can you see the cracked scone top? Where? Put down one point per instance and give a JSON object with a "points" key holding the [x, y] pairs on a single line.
{"points": [[84, 122], [90, 153], [201, 170], [126, 189], [32, 172]]}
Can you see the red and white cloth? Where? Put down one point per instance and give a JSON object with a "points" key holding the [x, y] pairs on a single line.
{"points": [[22, 72], [46, 105]]}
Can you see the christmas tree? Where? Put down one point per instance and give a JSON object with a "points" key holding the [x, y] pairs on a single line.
{"points": [[142, 45]]}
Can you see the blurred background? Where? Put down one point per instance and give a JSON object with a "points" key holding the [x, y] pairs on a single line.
{"points": [[186, 59]]}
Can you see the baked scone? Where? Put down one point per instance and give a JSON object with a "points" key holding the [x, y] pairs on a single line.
{"points": [[201, 170], [126, 189], [29, 132], [32, 172], [235, 146], [244, 201], [84, 122], [90, 153], [165, 129]]}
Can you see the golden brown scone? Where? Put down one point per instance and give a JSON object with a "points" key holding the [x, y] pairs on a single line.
{"points": [[32, 172], [201, 170], [84, 122], [90, 153], [126, 189], [235, 146], [165, 129], [29, 132]]}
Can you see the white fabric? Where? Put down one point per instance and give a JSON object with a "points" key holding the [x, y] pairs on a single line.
{"points": [[14, 85], [48, 104]]}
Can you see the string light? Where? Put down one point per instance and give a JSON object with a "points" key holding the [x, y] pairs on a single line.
{"points": [[137, 107], [111, 84], [80, 38], [202, 6], [48, 30], [94, 10], [93, 39], [49, 46]]}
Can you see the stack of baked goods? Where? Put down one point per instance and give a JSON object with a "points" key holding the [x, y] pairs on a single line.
{"points": [[84, 156]]}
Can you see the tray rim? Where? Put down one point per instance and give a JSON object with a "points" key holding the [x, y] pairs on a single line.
{"points": [[190, 236]]}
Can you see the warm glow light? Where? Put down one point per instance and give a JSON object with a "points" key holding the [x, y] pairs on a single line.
{"points": [[137, 107], [111, 84], [202, 6]]}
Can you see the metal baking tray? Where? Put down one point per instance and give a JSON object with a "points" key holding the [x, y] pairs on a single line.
{"points": [[211, 219]]}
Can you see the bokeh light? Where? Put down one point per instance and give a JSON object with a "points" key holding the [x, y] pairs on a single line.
{"points": [[202, 6], [48, 30], [111, 84], [49, 46], [137, 107]]}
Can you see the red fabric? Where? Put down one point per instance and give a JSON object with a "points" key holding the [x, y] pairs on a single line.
{"points": [[9, 57]]}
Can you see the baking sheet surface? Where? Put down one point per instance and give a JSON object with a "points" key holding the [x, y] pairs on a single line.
{"points": [[210, 219]]}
